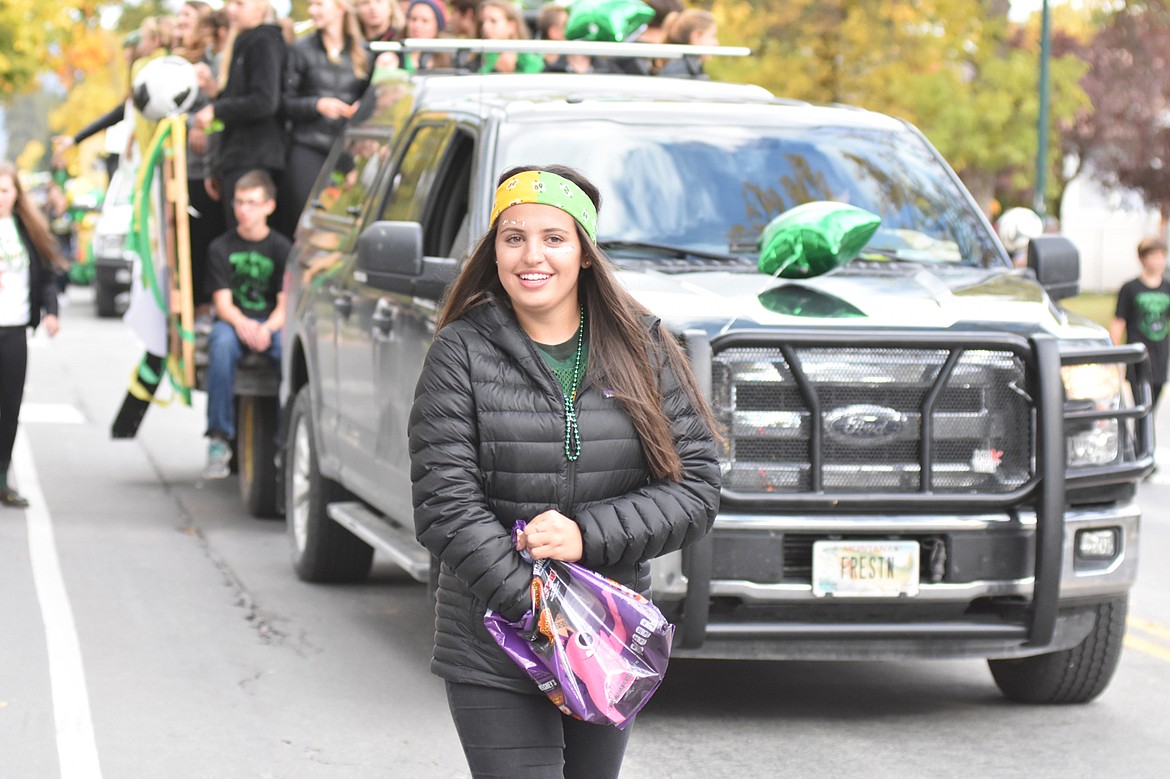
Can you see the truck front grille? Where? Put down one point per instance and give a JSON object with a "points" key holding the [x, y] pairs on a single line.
{"points": [[875, 420]]}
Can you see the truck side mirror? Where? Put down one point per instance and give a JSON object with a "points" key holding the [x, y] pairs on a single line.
{"points": [[1057, 265], [390, 256]]}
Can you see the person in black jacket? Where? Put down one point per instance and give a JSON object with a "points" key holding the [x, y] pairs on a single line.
{"points": [[194, 37], [695, 27], [327, 73], [382, 20], [248, 107], [28, 287], [548, 395]]}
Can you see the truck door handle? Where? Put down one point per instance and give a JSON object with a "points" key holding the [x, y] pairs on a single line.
{"points": [[344, 305], [383, 318]]}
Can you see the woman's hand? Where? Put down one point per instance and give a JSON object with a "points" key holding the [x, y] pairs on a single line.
{"points": [[52, 324], [206, 80], [197, 140], [205, 116], [333, 108], [387, 60], [506, 62], [551, 535]]}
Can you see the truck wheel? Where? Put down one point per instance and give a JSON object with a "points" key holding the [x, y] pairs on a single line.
{"points": [[322, 550], [1074, 675], [104, 297], [256, 444]]}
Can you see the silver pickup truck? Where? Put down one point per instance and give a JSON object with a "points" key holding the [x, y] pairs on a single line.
{"points": [[926, 456]]}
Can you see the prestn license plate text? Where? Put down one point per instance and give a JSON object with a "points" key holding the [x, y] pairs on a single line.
{"points": [[865, 569]]}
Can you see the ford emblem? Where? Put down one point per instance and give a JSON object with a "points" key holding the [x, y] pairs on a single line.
{"points": [[864, 425]]}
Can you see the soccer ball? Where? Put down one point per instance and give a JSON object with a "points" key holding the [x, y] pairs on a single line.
{"points": [[1017, 226], [166, 86]]}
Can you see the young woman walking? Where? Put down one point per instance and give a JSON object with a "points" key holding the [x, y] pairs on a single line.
{"points": [[29, 260], [549, 395]]}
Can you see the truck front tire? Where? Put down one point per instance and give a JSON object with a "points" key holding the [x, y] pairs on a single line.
{"points": [[1076, 675], [322, 550]]}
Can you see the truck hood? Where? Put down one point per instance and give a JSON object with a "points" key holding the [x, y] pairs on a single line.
{"points": [[901, 296]]}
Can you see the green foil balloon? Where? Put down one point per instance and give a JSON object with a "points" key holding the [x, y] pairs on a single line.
{"points": [[814, 238], [606, 20]]}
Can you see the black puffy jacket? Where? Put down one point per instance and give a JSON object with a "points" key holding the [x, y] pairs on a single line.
{"points": [[249, 106], [312, 75], [42, 279], [487, 448]]}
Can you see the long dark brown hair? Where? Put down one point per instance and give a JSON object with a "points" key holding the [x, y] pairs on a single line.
{"points": [[194, 48], [619, 340], [34, 222]]}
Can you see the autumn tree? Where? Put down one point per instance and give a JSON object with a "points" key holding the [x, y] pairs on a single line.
{"points": [[944, 65], [1123, 138], [32, 32]]}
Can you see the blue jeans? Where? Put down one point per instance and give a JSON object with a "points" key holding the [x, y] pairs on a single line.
{"points": [[224, 351]]}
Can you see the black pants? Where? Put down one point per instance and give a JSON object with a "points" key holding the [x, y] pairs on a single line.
{"points": [[300, 173], [205, 228], [13, 366], [513, 735]]}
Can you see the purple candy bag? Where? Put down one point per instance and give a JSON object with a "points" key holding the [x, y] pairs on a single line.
{"points": [[598, 650]]}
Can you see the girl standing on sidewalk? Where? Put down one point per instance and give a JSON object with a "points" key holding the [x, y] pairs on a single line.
{"points": [[29, 258]]}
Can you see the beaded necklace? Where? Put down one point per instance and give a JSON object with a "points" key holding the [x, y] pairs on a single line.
{"points": [[572, 433]]}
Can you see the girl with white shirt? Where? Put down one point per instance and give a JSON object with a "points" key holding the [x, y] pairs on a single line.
{"points": [[29, 263]]}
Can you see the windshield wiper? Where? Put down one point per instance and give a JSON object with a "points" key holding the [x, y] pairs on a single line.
{"points": [[669, 250]]}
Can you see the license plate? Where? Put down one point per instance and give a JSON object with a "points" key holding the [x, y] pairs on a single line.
{"points": [[865, 569]]}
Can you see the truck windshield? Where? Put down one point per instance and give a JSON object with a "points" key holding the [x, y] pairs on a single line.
{"points": [[714, 188]]}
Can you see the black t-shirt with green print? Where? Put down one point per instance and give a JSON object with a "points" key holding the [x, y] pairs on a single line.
{"points": [[252, 270], [1146, 311]]}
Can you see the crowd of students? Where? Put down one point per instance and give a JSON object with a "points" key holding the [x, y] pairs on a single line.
{"points": [[274, 102]]}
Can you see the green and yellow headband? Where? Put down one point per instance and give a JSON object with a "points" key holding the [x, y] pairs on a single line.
{"points": [[547, 189]]}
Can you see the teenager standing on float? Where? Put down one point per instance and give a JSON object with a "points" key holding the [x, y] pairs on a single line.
{"points": [[549, 395], [28, 289], [327, 73], [195, 31], [382, 20], [248, 106]]}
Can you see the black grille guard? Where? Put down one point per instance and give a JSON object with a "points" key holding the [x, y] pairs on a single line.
{"points": [[1043, 357]]}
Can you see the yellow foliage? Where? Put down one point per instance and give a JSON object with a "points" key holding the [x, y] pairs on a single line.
{"points": [[30, 156], [1079, 22], [944, 65], [27, 27], [99, 83]]}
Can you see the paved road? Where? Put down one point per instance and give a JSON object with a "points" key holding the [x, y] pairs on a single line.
{"points": [[148, 628]]}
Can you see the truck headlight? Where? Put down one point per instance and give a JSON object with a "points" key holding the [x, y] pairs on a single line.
{"points": [[1093, 386]]}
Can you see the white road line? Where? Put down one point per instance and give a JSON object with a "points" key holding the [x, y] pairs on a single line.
{"points": [[76, 747], [51, 414]]}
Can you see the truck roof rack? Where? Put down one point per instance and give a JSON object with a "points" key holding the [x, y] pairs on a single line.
{"points": [[624, 50]]}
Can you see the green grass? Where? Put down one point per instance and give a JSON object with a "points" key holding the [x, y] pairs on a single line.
{"points": [[1098, 306]]}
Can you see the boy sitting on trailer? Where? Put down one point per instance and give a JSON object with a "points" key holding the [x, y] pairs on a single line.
{"points": [[246, 274]]}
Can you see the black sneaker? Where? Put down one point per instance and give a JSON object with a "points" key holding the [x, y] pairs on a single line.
{"points": [[13, 499]]}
